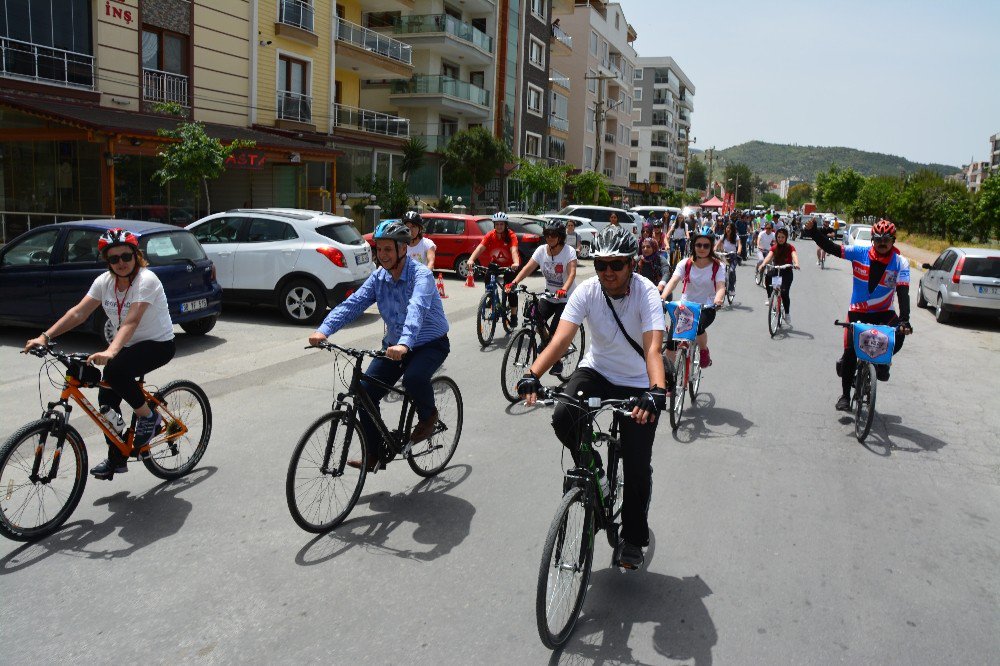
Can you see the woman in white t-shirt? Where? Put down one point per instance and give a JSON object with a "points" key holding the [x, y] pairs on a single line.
{"points": [[420, 249], [703, 281], [134, 301]]}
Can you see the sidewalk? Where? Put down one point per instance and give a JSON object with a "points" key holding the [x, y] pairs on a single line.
{"points": [[916, 255]]}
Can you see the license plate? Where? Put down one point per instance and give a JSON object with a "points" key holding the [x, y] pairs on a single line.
{"points": [[191, 306], [361, 258], [991, 291]]}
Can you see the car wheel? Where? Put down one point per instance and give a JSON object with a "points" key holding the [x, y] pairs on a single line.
{"points": [[103, 326], [462, 267], [199, 326], [302, 302], [921, 301], [585, 250], [942, 315]]}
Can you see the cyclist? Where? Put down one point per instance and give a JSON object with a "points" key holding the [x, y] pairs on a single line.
{"points": [[678, 233], [782, 252], [828, 232], [652, 265], [420, 249], [743, 230], [133, 300], [730, 243], [416, 337], [702, 281], [880, 273], [501, 246], [558, 263], [765, 239], [621, 309]]}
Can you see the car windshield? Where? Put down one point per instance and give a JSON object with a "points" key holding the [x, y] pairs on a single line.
{"points": [[863, 234], [170, 248], [986, 267], [343, 232]]}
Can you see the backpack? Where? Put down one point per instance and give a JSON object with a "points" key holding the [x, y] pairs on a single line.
{"points": [[687, 273]]}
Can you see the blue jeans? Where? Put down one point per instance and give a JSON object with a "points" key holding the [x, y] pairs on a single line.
{"points": [[416, 369]]}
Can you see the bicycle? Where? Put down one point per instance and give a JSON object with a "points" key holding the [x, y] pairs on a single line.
{"points": [[568, 553], [524, 346], [493, 306], [321, 488], [35, 499], [685, 375], [732, 259], [774, 307], [873, 346]]}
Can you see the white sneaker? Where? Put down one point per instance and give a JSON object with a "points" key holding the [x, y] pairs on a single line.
{"points": [[788, 318], [605, 484], [767, 301]]}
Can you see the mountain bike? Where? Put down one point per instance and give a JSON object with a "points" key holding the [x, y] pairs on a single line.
{"points": [[684, 374], [585, 509], [732, 259], [42, 479], [321, 488], [775, 307], [873, 346], [527, 343], [493, 305]]}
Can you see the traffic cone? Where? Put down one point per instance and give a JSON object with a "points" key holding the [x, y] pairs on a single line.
{"points": [[469, 281], [440, 286]]}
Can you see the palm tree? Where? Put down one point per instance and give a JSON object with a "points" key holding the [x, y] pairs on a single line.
{"points": [[414, 157]]}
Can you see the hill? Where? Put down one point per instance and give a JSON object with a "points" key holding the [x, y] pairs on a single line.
{"points": [[774, 160]]}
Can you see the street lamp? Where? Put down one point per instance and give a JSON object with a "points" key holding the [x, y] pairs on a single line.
{"points": [[343, 198], [372, 198]]}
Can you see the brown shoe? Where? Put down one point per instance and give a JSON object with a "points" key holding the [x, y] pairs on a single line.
{"points": [[356, 464], [424, 428]]}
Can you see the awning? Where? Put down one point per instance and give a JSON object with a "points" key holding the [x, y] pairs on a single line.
{"points": [[714, 202]]}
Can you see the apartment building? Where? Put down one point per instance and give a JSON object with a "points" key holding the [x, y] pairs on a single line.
{"points": [[995, 153], [664, 102], [974, 173], [600, 69], [535, 100]]}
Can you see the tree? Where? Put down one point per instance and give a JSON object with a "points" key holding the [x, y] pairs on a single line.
{"points": [[837, 188], [739, 173], [414, 157], [772, 199], [986, 218], [590, 187], [540, 178], [391, 195], [875, 198], [697, 174], [472, 158], [799, 194]]}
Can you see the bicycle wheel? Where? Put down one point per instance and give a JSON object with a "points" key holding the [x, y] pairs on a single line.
{"points": [[521, 352], [571, 359], [774, 314], [680, 388], [430, 456], [321, 494], [731, 294], [565, 569], [694, 381], [486, 321], [187, 427], [31, 508], [617, 487], [864, 405], [758, 277]]}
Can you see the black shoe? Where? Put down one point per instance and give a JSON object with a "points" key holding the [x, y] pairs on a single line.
{"points": [[513, 321], [882, 373], [145, 430], [844, 404], [630, 557], [557, 368], [106, 472]]}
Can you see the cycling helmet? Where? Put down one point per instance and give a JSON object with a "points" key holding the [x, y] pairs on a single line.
{"points": [[615, 241], [704, 232], [558, 226], [499, 216], [884, 228], [392, 230], [115, 237], [413, 217]]}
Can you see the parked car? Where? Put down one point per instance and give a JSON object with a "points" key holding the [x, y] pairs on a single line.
{"points": [[529, 230], [584, 229], [179, 217], [858, 234], [299, 260], [657, 211], [962, 280], [600, 216], [47, 270]]}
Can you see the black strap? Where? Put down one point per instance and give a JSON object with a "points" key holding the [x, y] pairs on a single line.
{"points": [[635, 345]]}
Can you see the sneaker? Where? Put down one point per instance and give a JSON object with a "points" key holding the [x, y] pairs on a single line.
{"points": [[513, 321], [602, 479], [424, 428], [557, 368], [882, 373], [630, 556], [767, 301], [704, 358], [356, 464], [145, 429], [106, 472], [844, 404], [788, 318]]}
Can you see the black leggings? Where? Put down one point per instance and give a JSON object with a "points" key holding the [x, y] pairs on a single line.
{"points": [[849, 361], [549, 313], [786, 285]]}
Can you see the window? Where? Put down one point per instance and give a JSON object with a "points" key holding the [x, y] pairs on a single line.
{"points": [[81, 246], [298, 13], [591, 82], [536, 53], [532, 144], [164, 50], [450, 69], [294, 102], [264, 231], [219, 230], [637, 74], [65, 25], [638, 115], [534, 99], [604, 52], [32, 251], [169, 248], [638, 94], [588, 158], [591, 120], [557, 148], [538, 8], [342, 233], [593, 42]]}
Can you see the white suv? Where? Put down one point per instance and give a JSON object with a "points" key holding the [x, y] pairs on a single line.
{"points": [[300, 260]]}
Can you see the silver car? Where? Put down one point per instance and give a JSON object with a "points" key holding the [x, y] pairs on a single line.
{"points": [[963, 280], [584, 229]]}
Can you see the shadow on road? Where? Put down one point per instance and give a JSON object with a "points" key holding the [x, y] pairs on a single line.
{"points": [[703, 420], [785, 332], [616, 602], [442, 522], [889, 430], [139, 520]]}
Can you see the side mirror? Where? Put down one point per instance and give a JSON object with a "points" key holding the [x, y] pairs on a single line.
{"points": [[926, 267]]}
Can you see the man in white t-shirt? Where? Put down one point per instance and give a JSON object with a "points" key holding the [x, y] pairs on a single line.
{"points": [[764, 241], [420, 248], [622, 361]]}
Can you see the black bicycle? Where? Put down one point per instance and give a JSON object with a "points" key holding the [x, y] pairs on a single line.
{"points": [[525, 345], [872, 338], [732, 259], [493, 306], [321, 488], [585, 509]]}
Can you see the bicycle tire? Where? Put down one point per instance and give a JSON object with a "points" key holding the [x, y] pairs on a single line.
{"points": [[758, 277], [617, 486], [571, 536], [521, 352], [571, 359], [486, 321], [680, 388], [506, 314], [774, 314], [312, 483], [694, 382], [185, 404], [429, 457], [866, 384], [23, 498]]}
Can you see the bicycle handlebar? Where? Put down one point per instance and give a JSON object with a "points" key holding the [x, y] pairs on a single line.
{"points": [[350, 351], [899, 327], [521, 289], [552, 394], [41, 351]]}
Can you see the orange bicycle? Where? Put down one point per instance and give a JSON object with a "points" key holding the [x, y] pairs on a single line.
{"points": [[42, 479]]}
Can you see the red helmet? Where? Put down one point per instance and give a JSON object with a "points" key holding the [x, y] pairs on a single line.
{"points": [[116, 236], [884, 228]]}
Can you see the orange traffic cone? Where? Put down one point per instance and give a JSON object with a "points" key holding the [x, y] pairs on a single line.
{"points": [[469, 281], [440, 286]]}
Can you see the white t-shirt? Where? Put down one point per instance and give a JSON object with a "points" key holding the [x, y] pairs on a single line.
{"points": [[764, 241], [729, 246], [701, 288], [418, 252], [146, 288], [608, 352], [555, 269]]}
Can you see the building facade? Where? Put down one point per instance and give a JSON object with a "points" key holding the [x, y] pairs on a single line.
{"points": [[995, 153], [664, 102]]}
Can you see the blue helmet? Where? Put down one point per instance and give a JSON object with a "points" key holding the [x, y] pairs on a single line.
{"points": [[704, 232], [392, 230]]}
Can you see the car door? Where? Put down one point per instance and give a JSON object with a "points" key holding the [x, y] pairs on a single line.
{"points": [[933, 277], [25, 267], [267, 252], [75, 265], [440, 230], [220, 238]]}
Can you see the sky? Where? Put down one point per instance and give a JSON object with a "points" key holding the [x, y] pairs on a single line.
{"points": [[916, 78]]}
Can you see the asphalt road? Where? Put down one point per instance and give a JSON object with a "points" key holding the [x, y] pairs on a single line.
{"points": [[777, 537]]}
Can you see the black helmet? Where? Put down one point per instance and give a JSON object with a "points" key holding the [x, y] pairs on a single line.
{"points": [[557, 226], [392, 230], [413, 217], [615, 241]]}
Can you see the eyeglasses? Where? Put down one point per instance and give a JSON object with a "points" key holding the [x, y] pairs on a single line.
{"points": [[124, 256], [882, 238], [703, 246], [616, 265]]}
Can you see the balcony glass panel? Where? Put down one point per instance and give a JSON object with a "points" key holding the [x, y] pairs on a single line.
{"points": [[441, 85], [366, 120], [559, 78], [298, 13], [294, 106], [46, 64], [432, 23], [374, 41], [558, 123], [561, 36]]}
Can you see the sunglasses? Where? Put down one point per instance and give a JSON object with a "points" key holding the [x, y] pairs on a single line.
{"points": [[616, 265], [882, 238], [702, 246], [124, 256]]}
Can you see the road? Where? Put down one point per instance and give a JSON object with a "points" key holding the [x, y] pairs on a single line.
{"points": [[777, 537]]}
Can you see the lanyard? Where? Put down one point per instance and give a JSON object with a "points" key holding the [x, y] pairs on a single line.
{"points": [[121, 303]]}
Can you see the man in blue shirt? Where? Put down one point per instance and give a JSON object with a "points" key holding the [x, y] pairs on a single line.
{"points": [[743, 230], [416, 338]]}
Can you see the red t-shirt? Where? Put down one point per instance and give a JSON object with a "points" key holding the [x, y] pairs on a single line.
{"points": [[497, 250], [782, 255]]}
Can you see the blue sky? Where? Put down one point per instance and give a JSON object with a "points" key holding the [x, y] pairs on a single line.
{"points": [[919, 79]]}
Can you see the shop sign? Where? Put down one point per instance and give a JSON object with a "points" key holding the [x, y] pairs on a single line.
{"points": [[250, 160], [122, 14]]}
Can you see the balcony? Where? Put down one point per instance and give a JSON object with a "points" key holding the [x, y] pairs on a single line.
{"points": [[559, 79], [609, 137], [660, 164], [610, 173], [447, 36], [44, 64], [560, 42], [659, 143], [160, 86], [660, 80], [555, 122], [295, 21], [370, 54], [661, 100], [294, 110], [371, 122], [442, 93]]}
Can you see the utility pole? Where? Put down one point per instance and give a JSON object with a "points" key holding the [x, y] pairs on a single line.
{"points": [[600, 113], [708, 184], [687, 151]]}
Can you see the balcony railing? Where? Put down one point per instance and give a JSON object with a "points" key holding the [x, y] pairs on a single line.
{"points": [[659, 143], [375, 42], [430, 23], [661, 100], [298, 13], [441, 85], [364, 120], [158, 86], [662, 164], [610, 173], [555, 122], [609, 137], [294, 106], [661, 79], [559, 78], [35, 62], [561, 36]]}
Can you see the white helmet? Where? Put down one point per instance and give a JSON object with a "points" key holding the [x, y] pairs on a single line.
{"points": [[499, 216]]}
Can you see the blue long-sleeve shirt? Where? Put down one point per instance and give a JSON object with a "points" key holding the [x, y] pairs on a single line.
{"points": [[410, 307]]}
